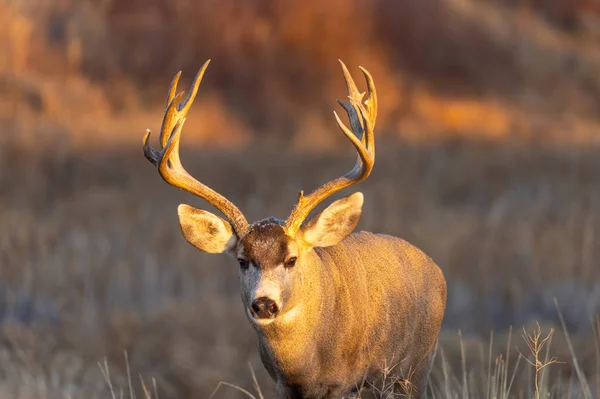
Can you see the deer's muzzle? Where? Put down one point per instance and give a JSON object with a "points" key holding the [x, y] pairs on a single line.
{"points": [[264, 308]]}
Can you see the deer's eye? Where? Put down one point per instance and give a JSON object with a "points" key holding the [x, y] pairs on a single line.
{"points": [[243, 263], [291, 262]]}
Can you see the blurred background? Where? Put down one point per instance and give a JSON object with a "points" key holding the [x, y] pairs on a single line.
{"points": [[488, 160]]}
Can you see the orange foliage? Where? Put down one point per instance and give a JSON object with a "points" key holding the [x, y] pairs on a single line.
{"points": [[442, 67]]}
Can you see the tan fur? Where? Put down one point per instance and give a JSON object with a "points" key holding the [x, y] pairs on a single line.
{"points": [[351, 310], [326, 230], [205, 231], [333, 310]]}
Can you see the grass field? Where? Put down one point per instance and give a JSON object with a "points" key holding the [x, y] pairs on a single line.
{"points": [[488, 160], [93, 263]]}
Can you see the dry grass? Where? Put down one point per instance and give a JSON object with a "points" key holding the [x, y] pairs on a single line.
{"points": [[93, 263]]}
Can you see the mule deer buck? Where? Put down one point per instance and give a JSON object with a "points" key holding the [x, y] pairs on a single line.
{"points": [[333, 310]]}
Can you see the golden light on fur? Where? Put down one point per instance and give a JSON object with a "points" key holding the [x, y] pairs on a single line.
{"points": [[328, 305]]}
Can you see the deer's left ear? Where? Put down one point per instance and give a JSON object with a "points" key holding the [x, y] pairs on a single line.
{"points": [[335, 223]]}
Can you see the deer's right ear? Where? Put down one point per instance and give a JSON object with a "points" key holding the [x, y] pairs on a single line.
{"points": [[205, 231]]}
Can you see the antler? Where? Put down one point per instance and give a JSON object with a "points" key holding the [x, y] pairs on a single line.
{"points": [[167, 159], [362, 115]]}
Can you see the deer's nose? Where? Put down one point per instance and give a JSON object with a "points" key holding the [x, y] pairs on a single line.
{"points": [[264, 308]]}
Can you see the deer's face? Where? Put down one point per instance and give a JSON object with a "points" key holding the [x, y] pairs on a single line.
{"points": [[270, 270], [273, 265]]}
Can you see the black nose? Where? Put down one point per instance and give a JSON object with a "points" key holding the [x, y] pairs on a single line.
{"points": [[264, 308]]}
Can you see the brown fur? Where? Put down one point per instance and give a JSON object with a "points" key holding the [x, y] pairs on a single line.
{"points": [[266, 244], [332, 310], [370, 304]]}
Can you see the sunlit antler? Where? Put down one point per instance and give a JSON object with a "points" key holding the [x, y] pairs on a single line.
{"points": [[167, 159], [362, 115]]}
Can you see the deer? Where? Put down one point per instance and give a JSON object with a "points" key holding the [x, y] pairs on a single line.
{"points": [[334, 311]]}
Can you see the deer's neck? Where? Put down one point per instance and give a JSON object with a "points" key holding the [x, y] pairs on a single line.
{"points": [[289, 341]]}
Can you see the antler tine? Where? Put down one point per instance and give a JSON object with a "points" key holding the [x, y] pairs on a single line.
{"points": [[175, 110], [150, 153], [173, 88], [189, 99], [361, 114], [170, 118], [371, 101], [364, 157], [353, 91], [168, 161], [355, 97]]}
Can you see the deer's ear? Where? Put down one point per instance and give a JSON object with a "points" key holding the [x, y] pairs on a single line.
{"points": [[335, 223], [205, 231]]}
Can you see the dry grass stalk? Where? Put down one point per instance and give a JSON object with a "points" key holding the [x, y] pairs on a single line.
{"points": [[535, 344]]}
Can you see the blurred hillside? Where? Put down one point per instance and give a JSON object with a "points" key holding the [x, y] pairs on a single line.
{"points": [[99, 69]]}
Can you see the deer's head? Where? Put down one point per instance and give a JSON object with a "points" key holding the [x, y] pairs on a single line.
{"points": [[273, 255]]}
